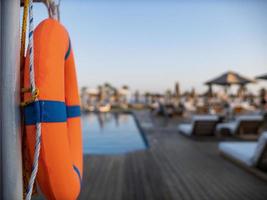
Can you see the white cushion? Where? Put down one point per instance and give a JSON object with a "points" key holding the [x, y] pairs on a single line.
{"points": [[241, 151], [262, 142], [185, 129]]}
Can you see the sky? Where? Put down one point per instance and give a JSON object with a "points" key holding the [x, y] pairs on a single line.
{"points": [[150, 45]]}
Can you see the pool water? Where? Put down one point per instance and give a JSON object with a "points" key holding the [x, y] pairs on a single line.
{"points": [[110, 133]]}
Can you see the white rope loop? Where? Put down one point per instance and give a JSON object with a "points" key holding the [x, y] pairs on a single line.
{"points": [[33, 91], [31, 27]]}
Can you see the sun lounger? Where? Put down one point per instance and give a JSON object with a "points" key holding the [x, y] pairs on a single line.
{"points": [[248, 154], [242, 125], [202, 125]]}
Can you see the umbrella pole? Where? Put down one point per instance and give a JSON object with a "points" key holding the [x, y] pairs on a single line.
{"points": [[10, 141], [226, 90], [210, 92]]}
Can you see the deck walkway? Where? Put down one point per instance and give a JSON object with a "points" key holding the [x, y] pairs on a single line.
{"points": [[174, 167]]}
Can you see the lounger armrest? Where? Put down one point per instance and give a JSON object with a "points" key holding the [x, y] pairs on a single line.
{"points": [[261, 146], [230, 126], [185, 129]]}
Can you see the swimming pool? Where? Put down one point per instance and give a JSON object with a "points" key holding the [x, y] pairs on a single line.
{"points": [[111, 133]]}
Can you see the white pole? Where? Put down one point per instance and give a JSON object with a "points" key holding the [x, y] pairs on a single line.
{"points": [[11, 165]]}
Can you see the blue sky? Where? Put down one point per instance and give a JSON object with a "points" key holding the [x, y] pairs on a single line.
{"points": [[149, 45]]}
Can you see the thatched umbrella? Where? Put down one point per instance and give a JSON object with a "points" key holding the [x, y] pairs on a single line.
{"points": [[264, 77], [229, 78]]}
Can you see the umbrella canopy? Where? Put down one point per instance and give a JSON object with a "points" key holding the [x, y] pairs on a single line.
{"points": [[262, 77], [229, 78]]}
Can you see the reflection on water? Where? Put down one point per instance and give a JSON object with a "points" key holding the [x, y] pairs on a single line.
{"points": [[107, 133]]}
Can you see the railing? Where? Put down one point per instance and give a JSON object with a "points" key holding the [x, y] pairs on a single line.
{"points": [[10, 141]]}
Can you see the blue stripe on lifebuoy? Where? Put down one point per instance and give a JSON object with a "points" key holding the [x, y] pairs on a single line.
{"points": [[68, 51], [49, 111], [73, 111]]}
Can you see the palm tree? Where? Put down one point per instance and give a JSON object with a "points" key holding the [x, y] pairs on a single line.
{"points": [[116, 95], [147, 96], [168, 96], [177, 90], [100, 93], [193, 93], [137, 96]]}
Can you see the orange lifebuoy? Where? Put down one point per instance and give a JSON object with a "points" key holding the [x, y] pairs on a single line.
{"points": [[58, 109]]}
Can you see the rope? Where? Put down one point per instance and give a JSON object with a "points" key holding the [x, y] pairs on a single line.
{"points": [[34, 91], [23, 31], [26, 173]]}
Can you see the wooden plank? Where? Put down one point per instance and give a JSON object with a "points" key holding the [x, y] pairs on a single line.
{"points": [[175, 167]]}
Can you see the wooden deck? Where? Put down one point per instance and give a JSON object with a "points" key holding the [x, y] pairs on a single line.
{"points": [[174, 167]]}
